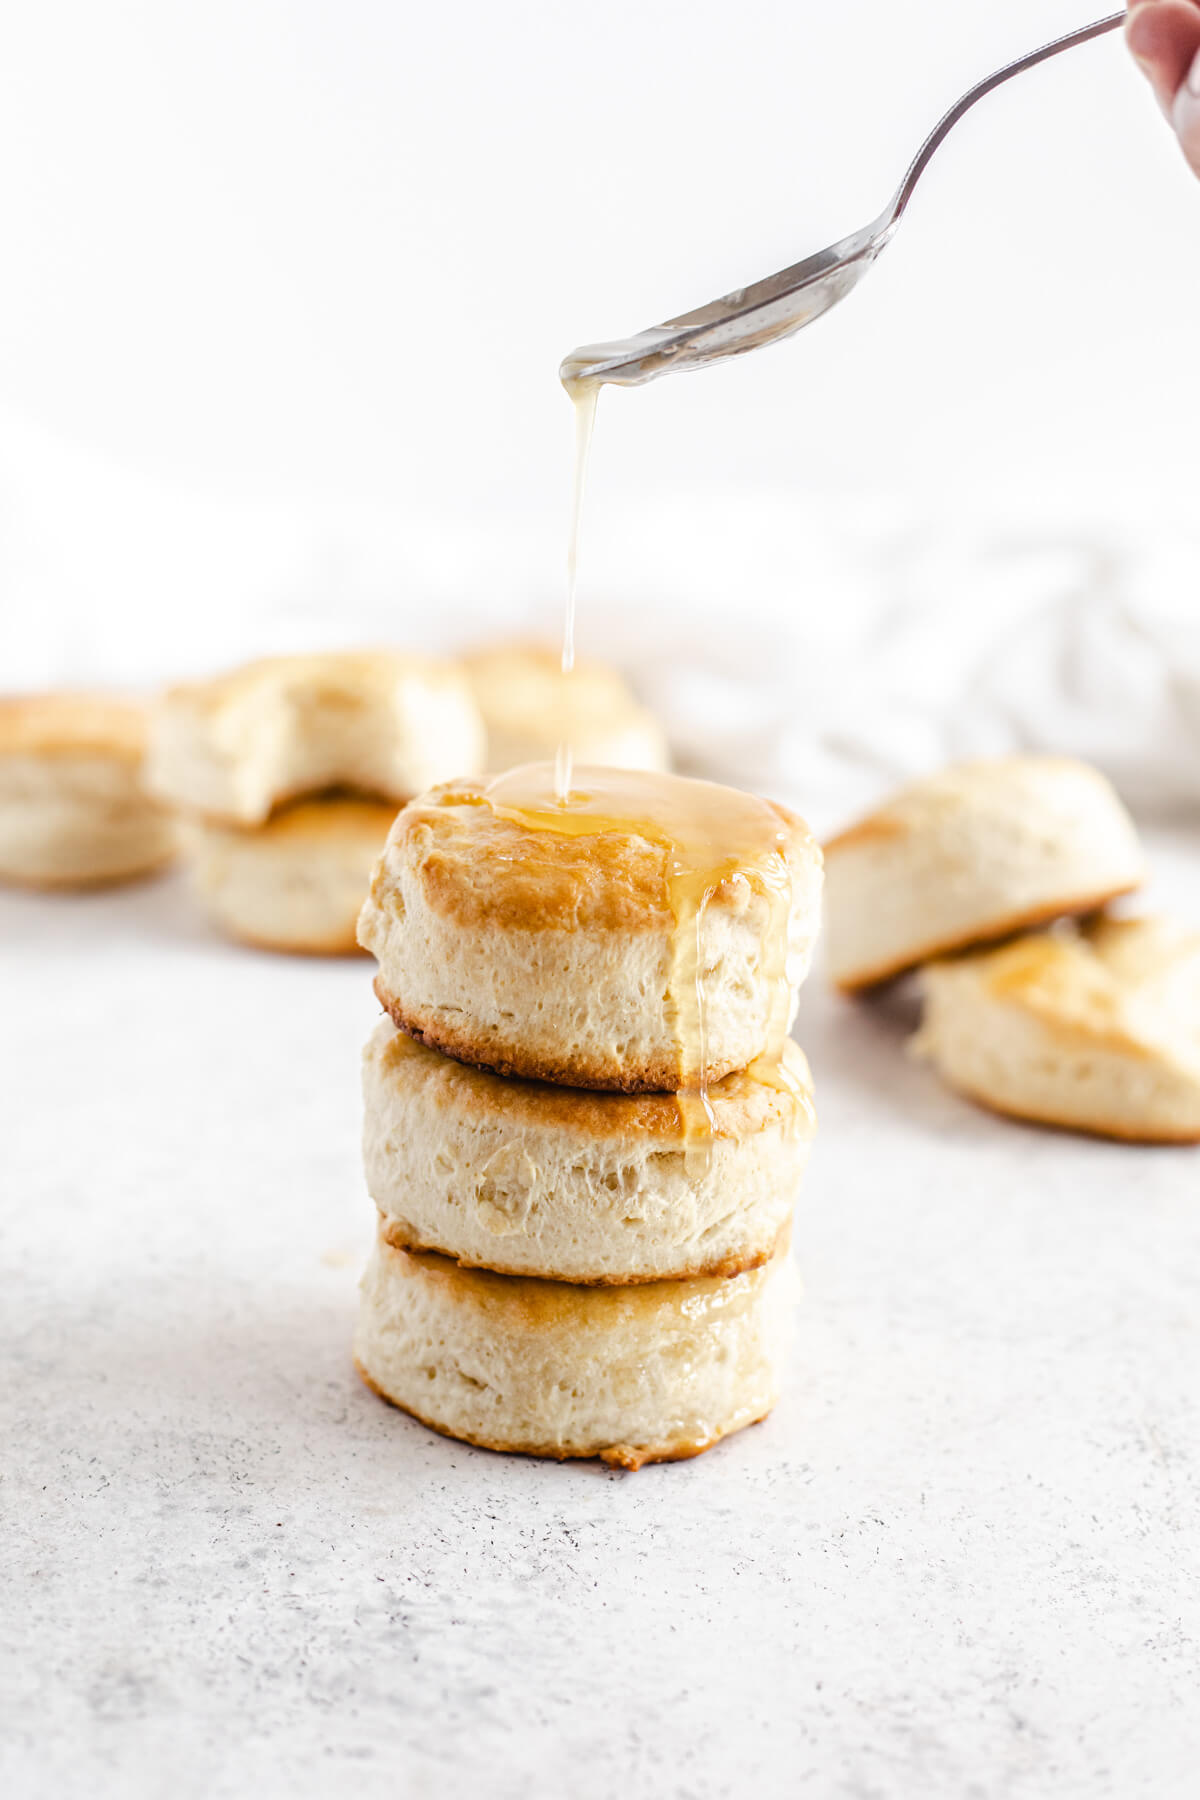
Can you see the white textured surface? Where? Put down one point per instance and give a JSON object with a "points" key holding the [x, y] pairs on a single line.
{"points": [[961, 1558]]}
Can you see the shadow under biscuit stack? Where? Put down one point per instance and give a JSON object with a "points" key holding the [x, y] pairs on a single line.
{"points": [[585, 1125]]}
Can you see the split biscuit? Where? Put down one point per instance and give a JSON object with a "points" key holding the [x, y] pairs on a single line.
{"points": [[972, 854], [530, 1179], [379, 722], [628, 1374], [1095, 1030]]}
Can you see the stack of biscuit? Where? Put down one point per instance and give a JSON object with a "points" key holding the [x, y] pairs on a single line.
{"points": [[287, 774], [1093, 1023], [584, 1201]]}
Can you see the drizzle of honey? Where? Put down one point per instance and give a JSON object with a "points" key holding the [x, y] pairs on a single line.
{"points": [[771, 1070], [584, 395], [712, 835]]}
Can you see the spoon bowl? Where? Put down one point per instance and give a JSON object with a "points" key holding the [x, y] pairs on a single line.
{"points": [[784, 303]]}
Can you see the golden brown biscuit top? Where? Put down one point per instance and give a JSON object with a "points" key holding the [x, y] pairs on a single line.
{"points": [[618, 855], [743, 1104], [326, 677], [1060, 981], [63, 724], [965, 787], [1131, 985]]}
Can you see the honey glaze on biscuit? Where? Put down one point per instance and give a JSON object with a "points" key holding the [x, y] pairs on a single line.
{"points": [[714, 837], [772, 1070]]}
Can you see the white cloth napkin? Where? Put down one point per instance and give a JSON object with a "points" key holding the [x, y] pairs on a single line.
{"points": [[948, 644], [819, 648]]}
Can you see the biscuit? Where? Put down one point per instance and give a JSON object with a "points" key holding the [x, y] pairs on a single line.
{"points": [[970, 855], [73, 811], [629, 1374], [296, 883], [530, 707], [378, 722], [531, 1179], [562, 944], [1095, 1030]]}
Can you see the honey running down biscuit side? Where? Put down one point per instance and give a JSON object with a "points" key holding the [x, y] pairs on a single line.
{"points": [[711, 836], [649, 933], [531, 1179]]}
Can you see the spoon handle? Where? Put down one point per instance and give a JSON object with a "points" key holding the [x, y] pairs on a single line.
{"points": [[920, 161]]}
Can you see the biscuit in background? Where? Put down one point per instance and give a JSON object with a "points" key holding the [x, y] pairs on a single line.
{"points": [[529, 707], [73, 808], [382, 723], [289, 772], [1096, 1030], [550, 955], [296, 883], [530, 1179], [629, 1374], [970, 855]]}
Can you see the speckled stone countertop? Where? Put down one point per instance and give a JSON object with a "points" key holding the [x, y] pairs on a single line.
{"points": [[962, 1558]]}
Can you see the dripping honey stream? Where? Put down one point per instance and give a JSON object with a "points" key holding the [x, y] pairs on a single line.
{"points": [[711, 835]]}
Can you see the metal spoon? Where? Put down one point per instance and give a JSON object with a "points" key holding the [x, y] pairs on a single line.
{"points": [[780, 304]]}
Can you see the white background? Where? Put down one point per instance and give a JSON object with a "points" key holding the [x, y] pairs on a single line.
{"points": [[287, 284]]}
